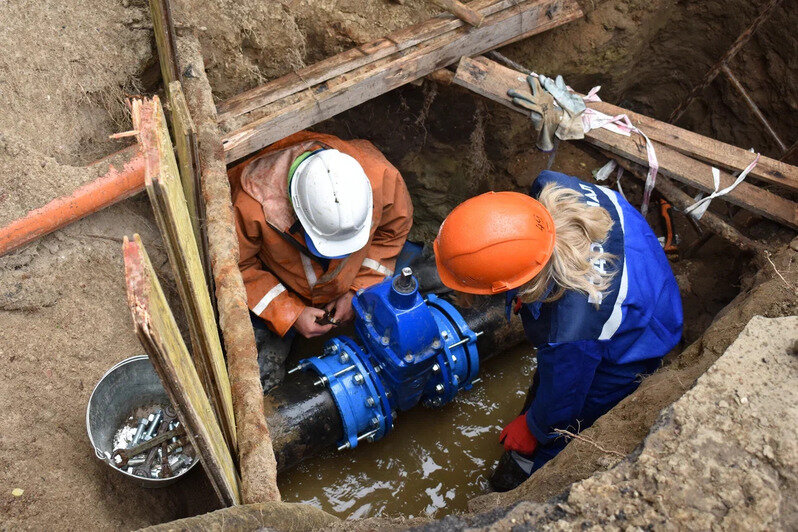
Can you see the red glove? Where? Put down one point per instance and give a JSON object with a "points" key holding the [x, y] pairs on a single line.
{"points": [[516, 437]]}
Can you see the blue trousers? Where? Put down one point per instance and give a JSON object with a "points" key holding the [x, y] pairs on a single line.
{"points": [[612, 383]]}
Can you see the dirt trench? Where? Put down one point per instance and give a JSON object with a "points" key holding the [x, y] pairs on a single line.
{"points": [[67, 68]]}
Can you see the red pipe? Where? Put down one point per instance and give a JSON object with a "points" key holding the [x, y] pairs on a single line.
{"points": [[113, 187]]}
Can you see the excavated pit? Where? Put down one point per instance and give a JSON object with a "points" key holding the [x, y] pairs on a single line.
{"points": [[63, 316]]}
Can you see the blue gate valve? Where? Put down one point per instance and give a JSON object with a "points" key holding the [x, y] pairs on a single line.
{"points": [[411, 349]]}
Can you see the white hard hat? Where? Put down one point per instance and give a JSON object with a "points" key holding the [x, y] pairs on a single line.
{"points": [[332, 198]]}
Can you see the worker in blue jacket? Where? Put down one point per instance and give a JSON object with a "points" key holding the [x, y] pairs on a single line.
{"points": [[594, 290]]}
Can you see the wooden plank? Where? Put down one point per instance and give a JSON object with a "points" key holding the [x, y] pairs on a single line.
{"points": [[348, 60], [164, 29], [186, 146], [344, 92], [163, 186], [158, 332], [707, 149], [493, 80], [255, 454]]}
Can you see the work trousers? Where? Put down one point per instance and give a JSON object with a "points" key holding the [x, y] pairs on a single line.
{"points": [[612, 383]]}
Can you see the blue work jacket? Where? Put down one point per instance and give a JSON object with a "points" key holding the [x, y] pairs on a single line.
{"points": [[590, 358]]}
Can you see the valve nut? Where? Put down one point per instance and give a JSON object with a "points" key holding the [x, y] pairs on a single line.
{"points": [[436, 368], [359, 378], [439, 388], [370, 401]]}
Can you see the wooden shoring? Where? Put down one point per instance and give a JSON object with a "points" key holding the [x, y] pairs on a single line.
{"points": [[707, 149], [255, 454], [188, 159], [269, 123], [681, 201], [158, 332], [347, 61], [164, 188], [493, 80], [164, 28]]}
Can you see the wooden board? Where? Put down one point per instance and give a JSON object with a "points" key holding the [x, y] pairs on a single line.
{"points": [[493, 80], [164, 29], [186, 146], [158, 332], [164, 188], [707, 149], [299, 111], [349, 60]]}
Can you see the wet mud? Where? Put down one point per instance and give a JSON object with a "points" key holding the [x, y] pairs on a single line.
{"points": [[433, 462]]}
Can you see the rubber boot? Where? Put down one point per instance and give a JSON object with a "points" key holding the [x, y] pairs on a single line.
{"points": [[508, 474]]}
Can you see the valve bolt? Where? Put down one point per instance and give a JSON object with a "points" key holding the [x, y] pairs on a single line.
{"points": [[436, 344], [439, 388], [436, 368], [409, 357], [375, 422], [454, 358], [344, 358], [359, 378], [445, 335], [385, 340], [370, 401]]}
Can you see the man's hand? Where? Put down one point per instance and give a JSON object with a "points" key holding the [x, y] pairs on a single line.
{"points": [[516, 437], [306, 324], [343, 307]]}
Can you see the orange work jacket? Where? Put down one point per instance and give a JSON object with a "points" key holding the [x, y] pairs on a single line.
{"points": [[280, 280]]}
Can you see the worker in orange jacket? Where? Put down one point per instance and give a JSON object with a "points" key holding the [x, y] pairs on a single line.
{"points": [[318, 218]]}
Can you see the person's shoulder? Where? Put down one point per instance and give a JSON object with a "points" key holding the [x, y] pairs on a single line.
{"points": [[547, 177]]}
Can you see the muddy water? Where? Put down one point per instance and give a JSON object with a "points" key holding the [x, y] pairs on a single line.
{"points": [[432, 462]]}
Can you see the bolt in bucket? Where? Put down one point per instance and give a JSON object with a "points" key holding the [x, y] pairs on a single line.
{"points": [[128, 386]]}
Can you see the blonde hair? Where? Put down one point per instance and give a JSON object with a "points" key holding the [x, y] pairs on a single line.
{"points": [[578, 261]]}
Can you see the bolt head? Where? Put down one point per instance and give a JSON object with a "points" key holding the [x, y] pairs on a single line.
{"points": [[344, 357], [370, 439], [359, 378], [394, 415], [367, 316], [437, 402], [409, 357], [407, 271], [385, 340], [456, 380], [436, 343], [436, 368], [445, 335], [375, 422], [439, 388], [370, 401], [454, 358]]}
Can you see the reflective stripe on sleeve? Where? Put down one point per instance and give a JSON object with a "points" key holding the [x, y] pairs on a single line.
{"points": [[377, 267], [614, 321], [268, 298]]}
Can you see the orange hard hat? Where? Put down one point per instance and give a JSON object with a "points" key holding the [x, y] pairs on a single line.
{"points": [[494, 242]]}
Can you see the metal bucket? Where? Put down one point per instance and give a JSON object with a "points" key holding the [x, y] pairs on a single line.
{"points": [[129, 385]]}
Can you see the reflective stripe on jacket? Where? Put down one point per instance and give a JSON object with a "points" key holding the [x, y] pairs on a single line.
{"points": [[280, 280]]}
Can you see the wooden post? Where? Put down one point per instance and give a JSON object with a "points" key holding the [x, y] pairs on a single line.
{"points": [[493, 80], [255, 454], [462, 11], [166, 195], [158, 332]]}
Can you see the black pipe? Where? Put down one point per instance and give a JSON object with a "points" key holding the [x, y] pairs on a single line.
{"points": [[303, 419]]}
